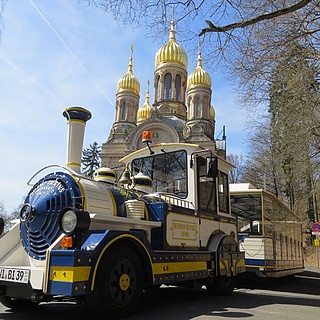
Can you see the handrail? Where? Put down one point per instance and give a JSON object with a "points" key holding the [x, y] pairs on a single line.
{"points": [[50, 166], [172, 199]]}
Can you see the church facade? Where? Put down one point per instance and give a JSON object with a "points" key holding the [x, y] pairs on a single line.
{"points": [[181, 111]]}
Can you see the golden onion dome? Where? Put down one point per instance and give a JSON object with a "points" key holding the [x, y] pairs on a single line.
{"points": [[212, 113], [144, 111], [171, 52], [199, 77], [129, 81]]}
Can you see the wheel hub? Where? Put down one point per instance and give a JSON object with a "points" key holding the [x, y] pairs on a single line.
{"points": [[124, 282]]}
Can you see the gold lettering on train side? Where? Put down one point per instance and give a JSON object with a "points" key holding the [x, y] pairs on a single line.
{"points": [[183, 230]]}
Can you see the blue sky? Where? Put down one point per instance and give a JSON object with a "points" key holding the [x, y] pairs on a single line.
{"points": [[56, 54]]}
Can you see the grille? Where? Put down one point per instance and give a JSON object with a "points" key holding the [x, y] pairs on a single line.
{"points": [[47, 199]]}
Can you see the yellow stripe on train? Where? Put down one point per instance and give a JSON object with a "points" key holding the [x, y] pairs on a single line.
{"points": [[69, 274], [175, 267]]}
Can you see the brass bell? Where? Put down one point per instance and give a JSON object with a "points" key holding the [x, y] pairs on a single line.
{"points": [[125, 177]]}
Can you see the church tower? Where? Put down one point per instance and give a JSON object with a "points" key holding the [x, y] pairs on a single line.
{"points": [[170, 78], [200, 124], [127, 105], [144, 111]]}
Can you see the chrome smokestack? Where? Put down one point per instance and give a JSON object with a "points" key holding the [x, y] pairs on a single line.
{"points": [[76, 122]]}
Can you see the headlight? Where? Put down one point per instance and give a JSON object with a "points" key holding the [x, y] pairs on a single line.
{"points": [[68, 221], [73, 220]]}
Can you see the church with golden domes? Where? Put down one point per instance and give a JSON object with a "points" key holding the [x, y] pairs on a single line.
{"points": [[181, 111]]}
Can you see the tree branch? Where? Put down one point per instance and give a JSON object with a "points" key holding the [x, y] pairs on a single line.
{"points": [[243, 24]]}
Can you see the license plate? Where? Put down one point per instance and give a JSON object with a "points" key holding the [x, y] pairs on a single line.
{"points": [[14, 275]]}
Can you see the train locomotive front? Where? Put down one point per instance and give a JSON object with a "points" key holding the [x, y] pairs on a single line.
{"points": [[25, 255]]}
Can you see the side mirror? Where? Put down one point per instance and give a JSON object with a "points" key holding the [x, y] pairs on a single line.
{"points": [[212, 167]]}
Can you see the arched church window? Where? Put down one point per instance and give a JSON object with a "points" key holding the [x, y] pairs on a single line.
{"points": [[167, 86], [177, 95], [205, 107], [197, 108], [123, 110], [189, 110], [158, 88]]}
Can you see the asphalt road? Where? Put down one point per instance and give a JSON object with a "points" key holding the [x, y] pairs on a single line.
{"points": [[293, 298]]}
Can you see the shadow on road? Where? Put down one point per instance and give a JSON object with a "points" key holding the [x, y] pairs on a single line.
{"points": [[307, 282], [179, 303]]}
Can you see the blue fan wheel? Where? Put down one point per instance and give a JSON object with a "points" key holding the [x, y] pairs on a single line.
{"points": [[39, 216]]}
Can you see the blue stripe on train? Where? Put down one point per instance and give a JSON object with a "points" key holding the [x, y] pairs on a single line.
{"points": [[67, 288], [255, 262]]}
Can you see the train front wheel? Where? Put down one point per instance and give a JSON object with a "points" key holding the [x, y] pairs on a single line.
{"points": [[119, 284]]}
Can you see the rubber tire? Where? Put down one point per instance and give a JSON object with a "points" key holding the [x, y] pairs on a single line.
{"points": [[17, 304], [221, 286], [120, 266]]}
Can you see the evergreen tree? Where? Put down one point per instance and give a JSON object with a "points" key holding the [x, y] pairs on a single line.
{"points": [[294, 99], [91, 159]]}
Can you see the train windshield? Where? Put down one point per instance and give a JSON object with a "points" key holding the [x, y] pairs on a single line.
{"points": [[167, 171]]}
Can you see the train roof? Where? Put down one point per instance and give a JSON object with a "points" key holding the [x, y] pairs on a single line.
{"points": [[241, 187], [245, 191], [157, 148]]}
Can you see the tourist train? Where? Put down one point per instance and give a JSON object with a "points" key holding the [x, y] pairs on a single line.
{"points": [[166, 220]]}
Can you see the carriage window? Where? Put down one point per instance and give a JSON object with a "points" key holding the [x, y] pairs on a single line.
{"points": [[263, 213], [248, 209]]}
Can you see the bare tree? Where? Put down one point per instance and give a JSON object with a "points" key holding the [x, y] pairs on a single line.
{"points": [[261, 168], [242, 13], [236, 173], [261, 50], [243, 23], [246, 17], [245, 37]]}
